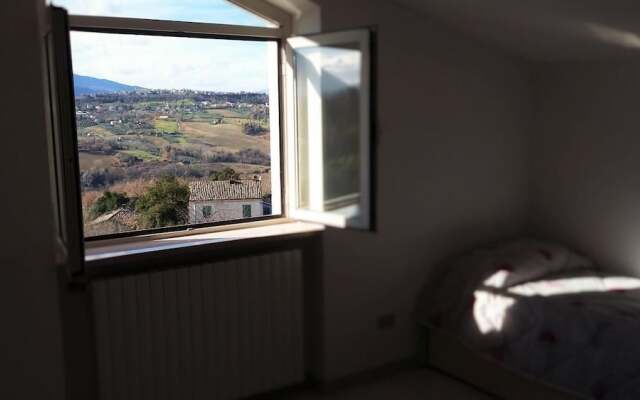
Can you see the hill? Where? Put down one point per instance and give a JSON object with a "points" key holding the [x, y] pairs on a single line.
{"points": [[83, 85]]}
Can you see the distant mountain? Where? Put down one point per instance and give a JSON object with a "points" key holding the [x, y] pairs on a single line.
{"points": [[83, 85]]}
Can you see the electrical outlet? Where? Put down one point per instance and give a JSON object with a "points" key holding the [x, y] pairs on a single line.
{"points": [[386, 321]]}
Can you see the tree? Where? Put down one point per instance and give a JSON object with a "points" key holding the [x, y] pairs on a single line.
{"points": [[109, 201], [254, 128], [93, 178], [166, 203], [226, 174]]}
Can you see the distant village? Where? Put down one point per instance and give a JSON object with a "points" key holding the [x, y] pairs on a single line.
{"points": [[118, 109]]}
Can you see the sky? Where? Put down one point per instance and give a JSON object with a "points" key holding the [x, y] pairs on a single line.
{"points": [[213, 11], [157, 62]]}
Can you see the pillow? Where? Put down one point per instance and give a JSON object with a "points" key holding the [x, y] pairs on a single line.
{"points": [[525, 260]]}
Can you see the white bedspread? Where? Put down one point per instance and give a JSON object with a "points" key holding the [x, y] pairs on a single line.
{"points": [[548, 312]]}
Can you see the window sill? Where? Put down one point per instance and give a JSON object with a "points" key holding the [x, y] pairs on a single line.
{"points": [[100, 256]]}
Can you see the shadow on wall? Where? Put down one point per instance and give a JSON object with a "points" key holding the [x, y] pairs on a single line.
{"points": [[544, 29], [586, 160]]}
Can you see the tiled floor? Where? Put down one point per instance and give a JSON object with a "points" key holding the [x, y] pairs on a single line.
{"points": [[423, 384]]}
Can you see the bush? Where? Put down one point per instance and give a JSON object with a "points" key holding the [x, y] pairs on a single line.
{"points": [[250, 156], [166, 203], [97, 145], [96, 178], [109, 201], [246, 156], [93, 178], [226, 174], [128, 159]]}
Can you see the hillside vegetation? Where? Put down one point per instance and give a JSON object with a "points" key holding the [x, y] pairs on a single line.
{"points": [[133, 139]]}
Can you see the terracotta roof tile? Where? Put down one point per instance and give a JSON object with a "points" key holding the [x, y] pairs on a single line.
{"points": [[121, 215], [204, 190]]}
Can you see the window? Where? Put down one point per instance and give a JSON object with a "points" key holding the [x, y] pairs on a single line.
{"points": [[165, 121], [207, 211], [154, 121]]}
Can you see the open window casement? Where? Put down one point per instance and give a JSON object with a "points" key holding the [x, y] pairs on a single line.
{"points": [[63, 146], [329, 155]]}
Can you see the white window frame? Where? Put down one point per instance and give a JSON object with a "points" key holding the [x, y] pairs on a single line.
{"points": [[120, 24]]}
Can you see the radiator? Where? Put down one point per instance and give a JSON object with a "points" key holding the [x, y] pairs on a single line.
{"points": [[223, 330]]}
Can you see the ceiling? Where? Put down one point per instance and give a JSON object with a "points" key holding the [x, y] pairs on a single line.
{"points": [[544, 29]]}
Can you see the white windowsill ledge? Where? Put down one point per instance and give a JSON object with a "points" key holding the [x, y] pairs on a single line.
{"points": [[96, 251]]}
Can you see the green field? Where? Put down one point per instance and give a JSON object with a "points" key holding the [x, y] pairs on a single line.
{"points": [[185, 102], [166, 125], [225, 112], [175, 140], [220, 130], [98, 130], [226, 137], [141, 154]]}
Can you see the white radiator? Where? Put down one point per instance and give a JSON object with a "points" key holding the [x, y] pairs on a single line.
{"points": [[216, 331]]}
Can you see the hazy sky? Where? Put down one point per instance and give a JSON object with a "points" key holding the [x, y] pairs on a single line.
{"points": [[157, 62], [217, 11]]}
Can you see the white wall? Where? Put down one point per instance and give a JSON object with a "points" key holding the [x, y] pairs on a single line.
{"points": [[453, 118], [31, 365], [586, 153], [223, 210]]}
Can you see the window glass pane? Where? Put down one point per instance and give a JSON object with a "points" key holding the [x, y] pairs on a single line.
{"points": [[206, 211], [329, 118], [175, 131], [209, 11]]}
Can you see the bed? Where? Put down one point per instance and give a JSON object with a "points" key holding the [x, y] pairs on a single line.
{"points": [[531, 319]]}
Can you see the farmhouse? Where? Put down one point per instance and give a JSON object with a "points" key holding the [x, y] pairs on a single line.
{"points": [[213, 201]]}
